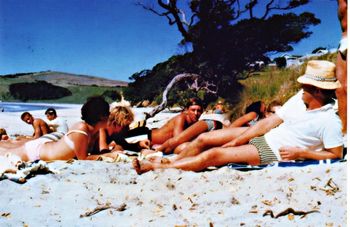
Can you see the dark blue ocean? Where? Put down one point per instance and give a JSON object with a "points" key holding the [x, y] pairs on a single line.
{"points": [[22, 107]]}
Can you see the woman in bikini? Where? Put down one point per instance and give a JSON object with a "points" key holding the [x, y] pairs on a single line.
{"points": [[74, 144]]}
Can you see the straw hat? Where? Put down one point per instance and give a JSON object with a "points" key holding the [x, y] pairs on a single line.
{"points": [[320, 74]]}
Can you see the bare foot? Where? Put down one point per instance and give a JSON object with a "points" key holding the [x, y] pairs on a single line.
{"points": [[154, 159], [165, 161], [141, 166]]}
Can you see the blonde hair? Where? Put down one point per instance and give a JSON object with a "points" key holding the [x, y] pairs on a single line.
{"points": [[121, 116]]}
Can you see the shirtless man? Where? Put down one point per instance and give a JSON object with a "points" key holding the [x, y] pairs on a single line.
{"points": [[178, 123], [39, 125], [341, 70]]}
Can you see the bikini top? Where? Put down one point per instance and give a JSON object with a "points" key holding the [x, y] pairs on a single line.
{"points": [[69, 141]]}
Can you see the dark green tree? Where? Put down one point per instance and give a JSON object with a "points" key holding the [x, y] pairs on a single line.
{"points": [[226, 35]]}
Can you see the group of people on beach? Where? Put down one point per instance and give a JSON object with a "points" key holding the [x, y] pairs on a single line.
{"points": [[307, 126]]}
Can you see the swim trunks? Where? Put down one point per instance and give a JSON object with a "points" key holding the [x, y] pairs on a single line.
{"points": [[32, 148], [212, 125], [265, 153]]}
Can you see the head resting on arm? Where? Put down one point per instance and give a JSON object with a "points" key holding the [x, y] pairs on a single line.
{"points": [[94, 109]]}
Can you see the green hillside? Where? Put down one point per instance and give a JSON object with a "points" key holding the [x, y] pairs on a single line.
{"points": [[80, 86]]}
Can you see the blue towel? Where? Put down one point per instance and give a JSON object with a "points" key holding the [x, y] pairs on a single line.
{"points": [[243, 167]]}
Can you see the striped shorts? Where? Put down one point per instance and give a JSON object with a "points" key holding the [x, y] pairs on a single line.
{"points": [[53, 136], [265, 153]]}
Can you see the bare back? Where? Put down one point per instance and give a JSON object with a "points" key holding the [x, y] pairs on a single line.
{"points": [[60, 150], [40, 128]]}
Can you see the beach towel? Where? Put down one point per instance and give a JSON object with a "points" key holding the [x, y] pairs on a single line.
{"points": [[26, 170], [243, 167]]}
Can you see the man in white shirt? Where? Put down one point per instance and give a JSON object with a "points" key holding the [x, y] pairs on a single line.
{"points": [[55, 123], [306, 127]]}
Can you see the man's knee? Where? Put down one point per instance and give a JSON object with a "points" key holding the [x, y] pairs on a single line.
{"points": [[202, 139]]}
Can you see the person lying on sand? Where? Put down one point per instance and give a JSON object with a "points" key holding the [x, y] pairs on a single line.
{"points": [[39, 125], [112, 138], [206, 123], [306, 127], [174, 126], [74, 144], [253, 113], [179, 123]]}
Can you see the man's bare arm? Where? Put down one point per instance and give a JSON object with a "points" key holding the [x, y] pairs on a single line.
{"points": [[293, 153], [260, 128]]}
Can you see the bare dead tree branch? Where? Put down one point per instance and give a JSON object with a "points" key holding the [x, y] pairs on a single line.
{"points": [[291, 5], [173, 14], [164, 102], [204, 85]]}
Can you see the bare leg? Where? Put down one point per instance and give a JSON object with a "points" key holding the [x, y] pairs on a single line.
{"points": [[210, 139], [185, 136], [8, 144], [19, 151], [217, 156], [181, 147]]}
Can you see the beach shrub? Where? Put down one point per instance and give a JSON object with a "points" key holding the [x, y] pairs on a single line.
{"points": [[112, 94], [281, 62], [39, 90]]}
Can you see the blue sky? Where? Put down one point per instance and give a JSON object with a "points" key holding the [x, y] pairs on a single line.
{"points": [[108, 38]]}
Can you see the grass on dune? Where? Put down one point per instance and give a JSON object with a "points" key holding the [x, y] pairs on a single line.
{"points": [[272, 84]]}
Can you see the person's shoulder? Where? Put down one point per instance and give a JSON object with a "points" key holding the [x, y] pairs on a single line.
{"points": [[79, 126], [39, 121]]}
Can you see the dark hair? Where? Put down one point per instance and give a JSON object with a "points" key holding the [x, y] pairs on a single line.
{"points": [[25, 114], [255, 107], [94, 109], [194, 101], [51, 111]]}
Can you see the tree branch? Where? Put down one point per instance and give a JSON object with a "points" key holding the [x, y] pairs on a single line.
{"points": [[174, 16], [164, 102]]}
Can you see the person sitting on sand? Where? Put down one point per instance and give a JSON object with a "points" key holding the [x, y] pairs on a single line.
{"points": [[39, 125], [74, 144], [56, 124], [112, 138], [306, 127]]}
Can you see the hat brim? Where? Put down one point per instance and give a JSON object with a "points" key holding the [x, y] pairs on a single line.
{"points": [[320, 84]]}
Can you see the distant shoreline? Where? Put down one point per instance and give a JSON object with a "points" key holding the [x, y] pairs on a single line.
{"points": [[11, 107]]}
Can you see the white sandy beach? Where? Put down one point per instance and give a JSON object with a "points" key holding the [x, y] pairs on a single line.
{"points": [[120, 197]]}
